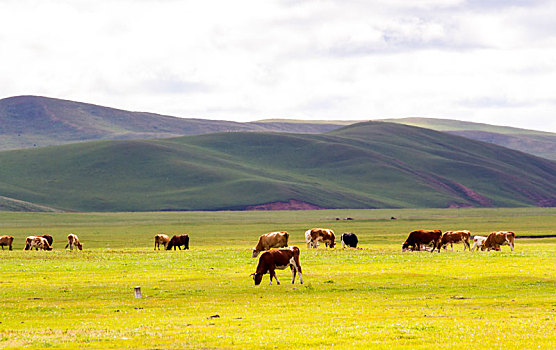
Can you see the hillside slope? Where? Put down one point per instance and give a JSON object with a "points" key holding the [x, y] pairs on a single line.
{"points": [[34, 121], [541, 144], [368, 165]]}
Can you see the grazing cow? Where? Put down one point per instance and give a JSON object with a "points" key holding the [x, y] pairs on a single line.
{"points": [[314, 235], [455, 237], [349, 239], [478, 242], [6, 241], [271, 240], [159, 239], [178, 241], [498, 238], [419, 237], [37, 243], [73, 240], [278, 259], [47, 237]]}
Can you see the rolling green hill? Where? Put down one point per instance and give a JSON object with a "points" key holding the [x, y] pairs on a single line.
{"points": [[34, 121], [367, 165], [541, 144]]}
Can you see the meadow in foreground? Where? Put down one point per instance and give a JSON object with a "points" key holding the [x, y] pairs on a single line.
{"points": [[204, 297]]}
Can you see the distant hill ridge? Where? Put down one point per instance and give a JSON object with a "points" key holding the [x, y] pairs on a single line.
{"points": [[34, 121], [365, 165]]}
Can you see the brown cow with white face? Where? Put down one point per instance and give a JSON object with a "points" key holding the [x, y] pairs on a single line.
{"points": [[422, 237], [314, 235], [498, 238], [6, 241], [274, 259], [452, 237], [37, 243], [159, 239], [271, 240], [73, 240]]}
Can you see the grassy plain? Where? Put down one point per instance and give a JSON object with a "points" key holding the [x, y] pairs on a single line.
{"points": [[376, 297]]}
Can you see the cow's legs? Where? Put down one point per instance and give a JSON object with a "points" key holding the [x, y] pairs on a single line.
{"points": [[273, 274], [293, 273]]}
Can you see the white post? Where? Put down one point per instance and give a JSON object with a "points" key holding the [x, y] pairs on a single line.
{"points": [[137, 292]]}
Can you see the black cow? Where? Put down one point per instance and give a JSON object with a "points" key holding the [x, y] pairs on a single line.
{"points": [[349, 239], [178, 241]]}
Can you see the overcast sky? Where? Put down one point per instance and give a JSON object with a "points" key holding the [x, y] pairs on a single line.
{"points": [[489, 61]]}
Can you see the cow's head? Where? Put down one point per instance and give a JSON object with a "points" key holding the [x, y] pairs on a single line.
{"points": [[257, 277], [79, 245], [255, 253], [169, 245]]}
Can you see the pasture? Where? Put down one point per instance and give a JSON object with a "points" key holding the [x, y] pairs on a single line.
{"points": [[377, 297]]}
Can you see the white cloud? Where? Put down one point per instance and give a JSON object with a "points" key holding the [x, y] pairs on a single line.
{"points": [[484, 61]]}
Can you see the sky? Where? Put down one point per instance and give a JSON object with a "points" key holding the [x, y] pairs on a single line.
{"points": [[487, 61]]}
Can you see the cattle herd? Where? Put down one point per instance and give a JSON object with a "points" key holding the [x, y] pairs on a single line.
{"points": [[42, 242], [276, 254]]}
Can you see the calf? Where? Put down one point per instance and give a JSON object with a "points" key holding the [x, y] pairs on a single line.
{"points": [[271, 240], [455, 237], [420, 237], [6, 241], [498, 238], [314, 235], [161, 239], [278, 259], [478, 242], [178, 241], [73, 240], [349, 239], [37, 243]]}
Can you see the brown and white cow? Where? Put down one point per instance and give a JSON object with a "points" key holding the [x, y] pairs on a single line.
{"points": [[6, 241], [498, 238], [420, 237], [478, 242], [159, 239], [73, 240], [37, 243], [48, 238], [274, 259], [269, 240], [314, 235], [452, 237], [178, 241]]}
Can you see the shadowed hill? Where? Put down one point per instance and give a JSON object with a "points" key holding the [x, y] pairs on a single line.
{"points": [[368, 165], [541, 144], [34, 121]]}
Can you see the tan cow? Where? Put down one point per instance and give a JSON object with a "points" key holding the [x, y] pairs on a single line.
{"points": [[73, 240], [37, 243], [278, 239], [6, 241], [314, 235], [498, 238], [455, 237], [161, 239]]}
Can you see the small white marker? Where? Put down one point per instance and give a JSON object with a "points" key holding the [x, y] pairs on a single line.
{"points": [[137, 292]]}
